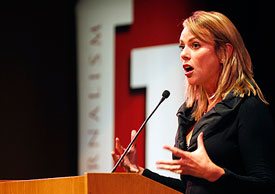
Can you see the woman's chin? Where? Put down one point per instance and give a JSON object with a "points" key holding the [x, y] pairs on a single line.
{"points": [[192, 82]]}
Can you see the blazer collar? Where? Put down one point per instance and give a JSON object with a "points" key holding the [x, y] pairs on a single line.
{"points": [[212, 120]]}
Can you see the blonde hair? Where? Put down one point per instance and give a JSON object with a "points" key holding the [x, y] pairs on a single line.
{"points": [[236, 73]]}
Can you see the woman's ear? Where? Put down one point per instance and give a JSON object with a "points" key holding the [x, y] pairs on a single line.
{"points": [[229, 49], [226, 52]]}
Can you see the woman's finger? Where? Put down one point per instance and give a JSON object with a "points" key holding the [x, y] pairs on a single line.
{"points": [[119, 148], [115, 157], [200, 141], [133, 134], [169, 162], [169, 167], [173, 168], [176, 151]]}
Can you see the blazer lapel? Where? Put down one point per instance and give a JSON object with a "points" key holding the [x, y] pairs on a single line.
{"points": [[213, 119]]}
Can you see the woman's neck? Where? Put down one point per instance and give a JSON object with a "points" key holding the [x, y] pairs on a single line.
{"points": [[210, 94]]}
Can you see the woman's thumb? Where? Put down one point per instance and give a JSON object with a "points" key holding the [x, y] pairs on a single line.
{"points": [[200, 140]]}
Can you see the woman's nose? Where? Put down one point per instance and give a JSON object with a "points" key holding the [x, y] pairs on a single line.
{"points": [[185, 54]]}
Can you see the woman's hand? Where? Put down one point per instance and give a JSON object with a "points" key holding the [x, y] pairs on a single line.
{"points": [[129, 162], [197, 163]]}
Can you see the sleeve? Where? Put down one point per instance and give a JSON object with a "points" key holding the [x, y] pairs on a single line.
{"points": [[173, 183], [256, 144]]}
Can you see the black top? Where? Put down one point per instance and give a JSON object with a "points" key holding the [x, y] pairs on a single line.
{"points": [[238, 136]]}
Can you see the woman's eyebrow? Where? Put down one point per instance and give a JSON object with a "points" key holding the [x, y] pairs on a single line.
{"points": [[189, 40]]}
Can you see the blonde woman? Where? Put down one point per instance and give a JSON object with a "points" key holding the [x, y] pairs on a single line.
{"points": [[225, 132]]}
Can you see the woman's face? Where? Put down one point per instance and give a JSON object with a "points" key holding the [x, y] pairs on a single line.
{"points": [[199, 60]]}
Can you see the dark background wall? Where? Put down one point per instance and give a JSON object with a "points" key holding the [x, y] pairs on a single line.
{"points": [[38, 102], [38, 83], [254, 20]]}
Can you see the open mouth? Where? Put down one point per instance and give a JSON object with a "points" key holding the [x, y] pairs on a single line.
{"points": [[188, 68]]}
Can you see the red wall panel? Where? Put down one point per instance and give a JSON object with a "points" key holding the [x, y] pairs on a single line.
{"points": [[156, 22]]}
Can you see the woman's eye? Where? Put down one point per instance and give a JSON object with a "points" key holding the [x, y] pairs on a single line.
{"points": [[181, 47], [196, 45]]}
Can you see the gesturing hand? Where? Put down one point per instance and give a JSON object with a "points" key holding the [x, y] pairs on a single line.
{"points": [[195, 163], [129, 162]]}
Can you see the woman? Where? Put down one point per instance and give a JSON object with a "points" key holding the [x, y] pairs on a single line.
{"points": [[225, 133]]}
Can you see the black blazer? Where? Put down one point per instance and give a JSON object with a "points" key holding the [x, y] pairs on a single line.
{"points": [[238, 136]]}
